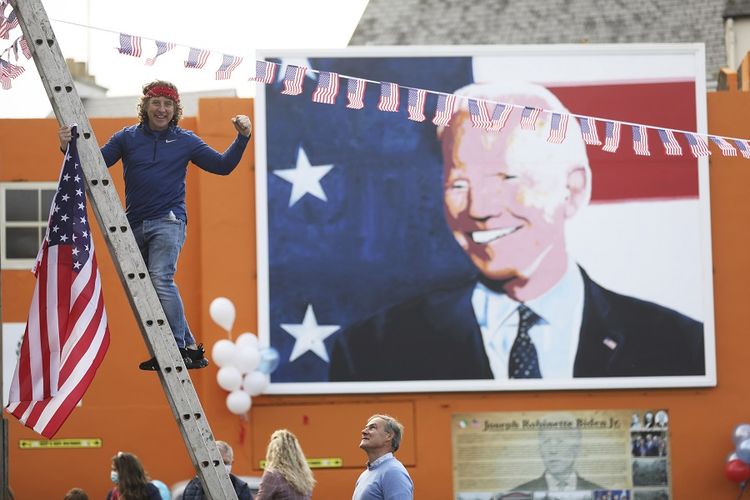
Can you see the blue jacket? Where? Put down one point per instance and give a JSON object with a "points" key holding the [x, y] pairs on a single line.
{"points": [[194, 489], [155, 167]]}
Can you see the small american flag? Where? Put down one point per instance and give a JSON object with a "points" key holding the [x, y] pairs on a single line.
{"points": [[640, 140], [130, 45], [66, 334], [479, 114], [228, 64], [161, 48], [389, 99], [355, 93], [8, 72], [444, 110], [23, 46], [698, 145], [500, 117], [558, 128], [328, 88], [197, 58], [744, 147], [726, 148], [8, 24], [588, 131], [611, 136], [293, 78], [671, 146], [528, 117], [265, 72], [417, 99]]}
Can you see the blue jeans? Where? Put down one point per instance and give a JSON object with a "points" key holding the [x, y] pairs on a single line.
{"points": [[160, 242]]}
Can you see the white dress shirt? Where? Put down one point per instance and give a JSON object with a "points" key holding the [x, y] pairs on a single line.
{"points": [[555, 335]]}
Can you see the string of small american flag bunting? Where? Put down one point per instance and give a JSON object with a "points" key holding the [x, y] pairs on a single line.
{"points": [[490, 115]]}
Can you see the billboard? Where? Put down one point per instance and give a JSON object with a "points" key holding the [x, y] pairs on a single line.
{"points": [[393, 253]]}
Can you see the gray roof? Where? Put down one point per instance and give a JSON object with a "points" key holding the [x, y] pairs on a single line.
{"points": [[476, 22], [737, 8]]}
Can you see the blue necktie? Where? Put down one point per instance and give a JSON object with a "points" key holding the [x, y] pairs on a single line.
{"points": [[523, 362]]}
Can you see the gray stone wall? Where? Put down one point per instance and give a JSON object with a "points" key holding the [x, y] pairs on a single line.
{"points": [[478, 22]]}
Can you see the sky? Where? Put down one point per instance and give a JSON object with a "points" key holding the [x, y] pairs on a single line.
{"points": [[236, 27]]}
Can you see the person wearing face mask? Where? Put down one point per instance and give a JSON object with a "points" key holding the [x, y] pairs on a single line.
{"points": [[194, 489], [130, 480], [155, 155]]}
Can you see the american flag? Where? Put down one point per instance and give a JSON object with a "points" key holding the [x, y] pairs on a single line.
{"points": [[726, 148], [479, 114], [558, 128], [8, 24], [528, 117], [500, 117], [66, 334], [444, 110], [22, 45], [611, 136], [744, 147], [588, 131], [197, 58], [671, 146], [389, 99], [130, 45], [8, 72], [161, 48], [265, 72], [640, 140], [328, 88], [698, 145], [417, 98], [355, 93], [228, 64], [293, 80]]}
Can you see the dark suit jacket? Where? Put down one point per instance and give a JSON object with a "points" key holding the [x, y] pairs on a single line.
{"points": [[436, 337], [540, 484]]}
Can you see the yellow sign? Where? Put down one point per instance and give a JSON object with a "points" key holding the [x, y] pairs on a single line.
{"points": [[317, 463], [40, 444]]}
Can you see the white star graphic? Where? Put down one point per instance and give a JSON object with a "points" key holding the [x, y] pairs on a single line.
{"points": [[79, 192], [310, 335], [66, 176], [64, 218], [295, 61], [304, 178], [63, 238], [65, 197]]}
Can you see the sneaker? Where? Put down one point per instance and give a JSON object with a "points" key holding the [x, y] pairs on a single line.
{"points": [[151, 365], [194, 358]]}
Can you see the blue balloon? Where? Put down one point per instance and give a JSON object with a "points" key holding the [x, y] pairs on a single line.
{"points": [[743, 451], [269, 360], [163, 490], [741, 432]]}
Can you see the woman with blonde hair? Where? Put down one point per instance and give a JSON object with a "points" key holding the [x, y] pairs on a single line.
{"points": [[287, 475]]}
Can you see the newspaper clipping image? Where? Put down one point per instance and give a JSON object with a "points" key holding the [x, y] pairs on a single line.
{"points": [[571, 455]]}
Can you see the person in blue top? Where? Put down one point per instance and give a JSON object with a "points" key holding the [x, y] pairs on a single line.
{"points": [[385, 477], [155, 154]]}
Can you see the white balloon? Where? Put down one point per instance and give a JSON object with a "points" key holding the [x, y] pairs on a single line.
{"points": [[222, 312], [238, 402], [255, 383], [246, 339], [229, 378], [247, 359], [223, 352]]}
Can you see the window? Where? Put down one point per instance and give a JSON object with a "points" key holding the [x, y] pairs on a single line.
{"points": [[24, 210]]}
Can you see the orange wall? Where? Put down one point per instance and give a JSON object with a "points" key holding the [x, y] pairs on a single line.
{"points": [[126, 408]]}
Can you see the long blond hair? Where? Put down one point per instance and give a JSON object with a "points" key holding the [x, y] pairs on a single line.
{"points": [[284, 456]]}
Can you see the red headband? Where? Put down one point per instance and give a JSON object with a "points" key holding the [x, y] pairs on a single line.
{"points": [[163, 91]]}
